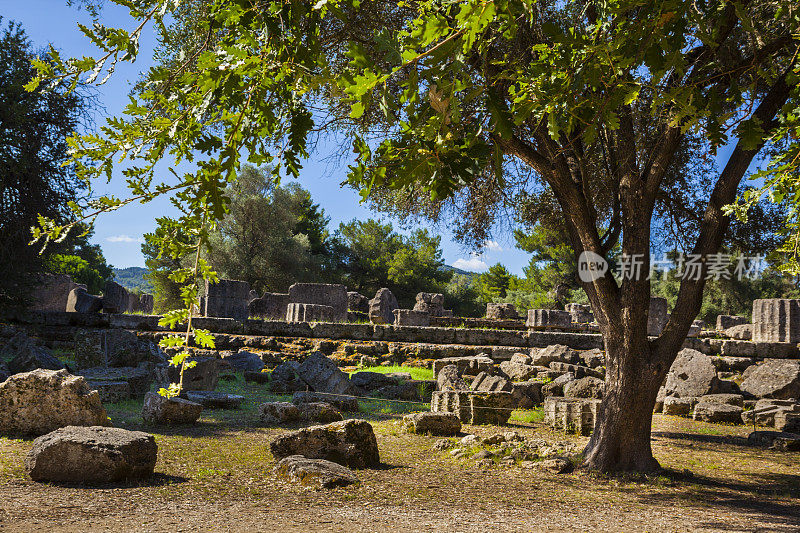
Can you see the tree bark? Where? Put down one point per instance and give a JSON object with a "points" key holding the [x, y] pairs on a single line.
{"points": [[621, 438]]}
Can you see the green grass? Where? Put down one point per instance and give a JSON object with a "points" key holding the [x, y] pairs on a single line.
{"points": [[416, 373], [529, 416]]}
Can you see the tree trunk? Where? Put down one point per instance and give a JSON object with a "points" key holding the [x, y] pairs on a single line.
{"points": [[621, 438]]}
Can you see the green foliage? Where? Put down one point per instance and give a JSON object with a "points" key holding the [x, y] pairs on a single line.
{"points": [[78, 269], [377, 256], [133, 279], [461, 294], [494, 283], [33, 129]]}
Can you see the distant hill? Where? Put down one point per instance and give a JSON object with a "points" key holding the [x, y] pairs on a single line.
{"points": [[462, 272], [132, 278]]}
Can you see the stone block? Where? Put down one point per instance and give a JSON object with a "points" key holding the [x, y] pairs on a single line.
{"points": [[581, 314], [728, 321], [657, 316], [297, 312], [776, 320], [439, 424], [331, 295], [548, 318], [576, 415], [501, 312], [382, 306], [430, 303], [357, 302], [80, 301], [411, 317], [52, 292], [226, 299], [116, 298], [271, 306]]}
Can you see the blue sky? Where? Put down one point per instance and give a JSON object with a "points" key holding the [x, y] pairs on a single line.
{"points": [[120, 233]]}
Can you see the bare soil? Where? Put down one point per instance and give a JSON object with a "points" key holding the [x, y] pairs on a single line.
{"points": [[217, 476]]}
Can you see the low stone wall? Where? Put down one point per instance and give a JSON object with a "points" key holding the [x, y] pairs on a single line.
{"points": [[62, 326]]}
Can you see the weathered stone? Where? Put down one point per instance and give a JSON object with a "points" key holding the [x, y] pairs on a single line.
{"points": [[203, 376], [692, 374], [169, 411], [788, 420], [80, 301], [474, 407], [728, 399], [284, 379], [52, 292], [138, 379], [371, 381], [92, 454], [41, 401], [262, 378], [326, 294], [592, 358], [768, 438], [411, 317], [146, 304], [586, 387], [297, 312], [348, 404], [774, 378], [557, 465], [471, 365], [548, 318], [440, 424], [728, 321], [114, 347], [581, 314], [776, 320], [215, 400], [485, 382], [322, 375], [357, 302], [676, 406], [527, 394], [742, 332], [226, 298], [556, 387], [578, 370], [492, 408], [577, 415], [245, 361], [27, 355], [116, 298], [381, 308], [555, 353], [111, 391], [319, 412], [717, 412], [501, 312], [432, 304], [726, 363], [657, 316], [271, 306], [519, 371], [317, 473], [351, 443], [449, 378], [278, 412]]}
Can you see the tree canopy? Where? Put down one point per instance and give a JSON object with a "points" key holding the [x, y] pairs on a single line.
{"points": [[595, 104]]}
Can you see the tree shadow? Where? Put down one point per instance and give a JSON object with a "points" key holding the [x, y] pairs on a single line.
{"points": [[157, 479], [705, 439]]}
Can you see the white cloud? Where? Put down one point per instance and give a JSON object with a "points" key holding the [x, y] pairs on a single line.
{"points": [[124, 238], [493, 246], [473, 264]]}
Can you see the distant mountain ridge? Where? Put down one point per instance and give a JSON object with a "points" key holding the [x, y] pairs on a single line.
{"points": [[132, 278]]}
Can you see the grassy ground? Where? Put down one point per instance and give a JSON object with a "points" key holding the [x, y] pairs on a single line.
{"points": [[416, 373], [217, 476]]}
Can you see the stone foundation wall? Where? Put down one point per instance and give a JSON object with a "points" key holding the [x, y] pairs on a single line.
{"points": [[58, 329]]}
